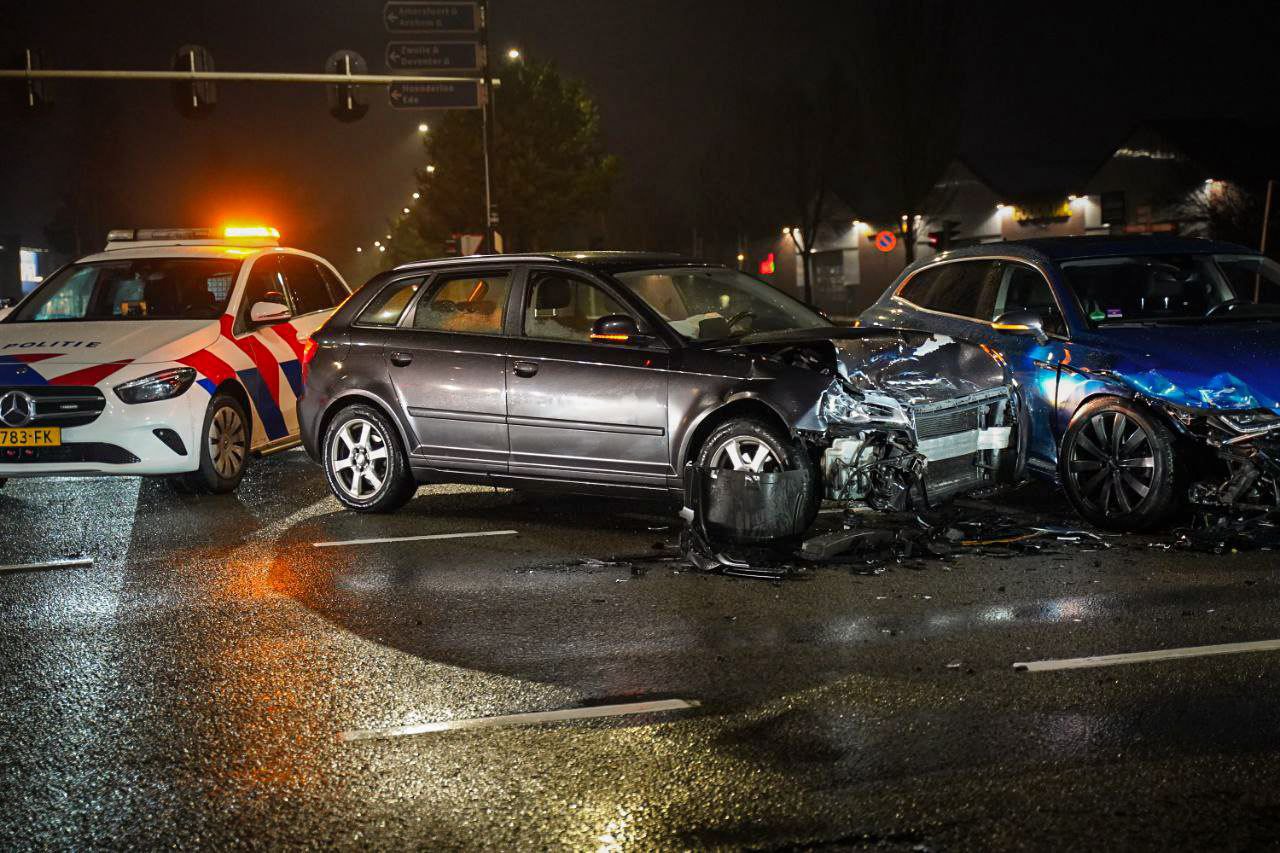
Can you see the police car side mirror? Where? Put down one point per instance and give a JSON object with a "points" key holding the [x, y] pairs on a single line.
{"points": [[6, 301], [264, 313]]}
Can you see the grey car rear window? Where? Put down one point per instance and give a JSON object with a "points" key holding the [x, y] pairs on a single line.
{"points": [[388, 307]]}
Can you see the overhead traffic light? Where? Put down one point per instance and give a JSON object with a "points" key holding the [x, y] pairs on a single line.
{"points": [[345, 100], [35, 93], [944, 238], [194, 98]]}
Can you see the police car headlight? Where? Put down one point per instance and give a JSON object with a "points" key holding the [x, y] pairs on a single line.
{"points": [[164, 385]]}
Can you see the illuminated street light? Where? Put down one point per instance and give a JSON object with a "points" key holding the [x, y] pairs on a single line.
{"points": [[513, 54], [377, 243], [359, 249], [741, 257], [423, 128], [382, 248], [388, 238], [417, 196], [406, 210], [431, 170]]}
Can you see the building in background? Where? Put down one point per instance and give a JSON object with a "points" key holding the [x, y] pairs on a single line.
{"points": [[1186, 178]]}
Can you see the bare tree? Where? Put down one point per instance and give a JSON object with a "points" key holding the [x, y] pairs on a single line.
{"points": [[814, 127], [910, 81]]}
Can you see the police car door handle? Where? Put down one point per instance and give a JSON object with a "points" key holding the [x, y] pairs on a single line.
{"points": [[401, 359], [525, 368]]}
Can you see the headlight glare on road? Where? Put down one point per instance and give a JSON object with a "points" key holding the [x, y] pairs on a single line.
{"points": [[164, 385]]}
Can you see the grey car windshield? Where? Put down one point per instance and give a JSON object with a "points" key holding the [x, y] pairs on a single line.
{"points": [[1175, 288], [716, 303], [134, 289]]}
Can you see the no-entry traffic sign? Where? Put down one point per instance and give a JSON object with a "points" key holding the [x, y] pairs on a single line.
{"points": [[886, 241]]}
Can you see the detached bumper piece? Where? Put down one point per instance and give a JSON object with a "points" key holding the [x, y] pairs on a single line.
{"points": [[728, 514]]}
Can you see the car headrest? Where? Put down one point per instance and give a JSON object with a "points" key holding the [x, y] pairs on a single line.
{"points": [[553, 293]]}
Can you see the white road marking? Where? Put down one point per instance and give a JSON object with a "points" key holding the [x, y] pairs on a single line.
{"points": [[53, 564], [594, 712], [1145, 657], [413, 538]]}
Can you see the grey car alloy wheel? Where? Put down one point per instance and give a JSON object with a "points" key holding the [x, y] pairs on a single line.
{"points": [[746, 453], [360, 459]]}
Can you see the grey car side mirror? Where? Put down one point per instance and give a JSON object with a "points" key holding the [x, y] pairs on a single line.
{"points": [[615, 329], [1021, 322]]}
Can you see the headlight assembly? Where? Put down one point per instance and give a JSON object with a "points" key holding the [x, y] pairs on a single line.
{"points": [[1258, 420], [164, 385]]}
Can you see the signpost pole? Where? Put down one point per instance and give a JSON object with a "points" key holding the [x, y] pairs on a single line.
{"points": [[485, 130]]}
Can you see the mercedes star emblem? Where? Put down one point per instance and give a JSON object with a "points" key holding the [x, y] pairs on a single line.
{"points": [[17, 409]]}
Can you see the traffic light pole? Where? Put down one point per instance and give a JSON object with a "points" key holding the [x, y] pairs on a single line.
{"points": [[486, 131]]}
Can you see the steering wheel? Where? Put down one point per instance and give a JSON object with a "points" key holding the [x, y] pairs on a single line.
{"points": [[739, 317], [1225, 306]]}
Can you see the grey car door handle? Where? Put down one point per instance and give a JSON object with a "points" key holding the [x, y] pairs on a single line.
{"points": [[525, 368], [401, 359]]}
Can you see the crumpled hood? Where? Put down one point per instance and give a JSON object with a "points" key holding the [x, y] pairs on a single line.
{"points": [[1213, 366], [107, 342], [911, 366]]}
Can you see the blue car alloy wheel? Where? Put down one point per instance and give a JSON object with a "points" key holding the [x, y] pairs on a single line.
{"points": [[1117, 465]]}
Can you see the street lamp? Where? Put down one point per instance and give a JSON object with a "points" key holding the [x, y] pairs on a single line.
{"points": [[423, 128], [513, 54], [431, 170], [417, 196]]}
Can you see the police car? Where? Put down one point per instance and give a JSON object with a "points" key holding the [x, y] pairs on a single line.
{"points": [[173, 352]]}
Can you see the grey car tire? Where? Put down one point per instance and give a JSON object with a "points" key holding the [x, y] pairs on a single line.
{"points": [[367, 469], [223, 450], [1118, 467], [737, 444]]}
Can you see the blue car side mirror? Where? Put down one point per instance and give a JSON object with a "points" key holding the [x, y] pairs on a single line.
{"points": [[1021, 322]]}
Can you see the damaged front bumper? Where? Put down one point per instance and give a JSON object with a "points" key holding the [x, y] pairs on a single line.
{"points": [[1239, 463]]}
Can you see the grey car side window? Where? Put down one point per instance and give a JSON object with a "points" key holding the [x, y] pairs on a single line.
{"points": [[467, 303], [564, 308]]}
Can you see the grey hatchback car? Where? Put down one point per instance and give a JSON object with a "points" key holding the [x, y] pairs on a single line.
{"points": [[611, 372]]}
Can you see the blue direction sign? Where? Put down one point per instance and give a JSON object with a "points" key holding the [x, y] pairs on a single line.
{"points": [[433, 56], [420, 16], [435, 95]]}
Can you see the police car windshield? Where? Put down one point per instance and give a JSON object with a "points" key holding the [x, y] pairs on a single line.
{"points": [[133, 289]]}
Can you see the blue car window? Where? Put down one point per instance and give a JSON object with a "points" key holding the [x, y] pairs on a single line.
{"points": [[962, 288], [1025, 289]]}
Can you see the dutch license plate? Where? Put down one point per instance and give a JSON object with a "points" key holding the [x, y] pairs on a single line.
{"points": [[31, 437]]}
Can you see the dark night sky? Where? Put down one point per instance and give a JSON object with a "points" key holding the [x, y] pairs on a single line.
{"points": [[1060, 85]]}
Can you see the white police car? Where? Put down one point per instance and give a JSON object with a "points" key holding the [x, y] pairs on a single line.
{"points": [[173, 352]]}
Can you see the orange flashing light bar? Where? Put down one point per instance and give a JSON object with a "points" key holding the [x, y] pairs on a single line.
{"points": [[250, 231]]}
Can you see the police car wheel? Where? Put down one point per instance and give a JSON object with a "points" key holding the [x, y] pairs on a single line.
{"points": [[224, 448], [366, 469]]}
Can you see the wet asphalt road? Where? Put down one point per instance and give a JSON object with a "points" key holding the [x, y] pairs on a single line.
{"points": [[188, 690]]}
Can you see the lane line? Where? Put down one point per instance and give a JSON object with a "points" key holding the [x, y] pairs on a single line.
{"points": [[1145, 657], [413, 538], [594, 712], [52, 564]]}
